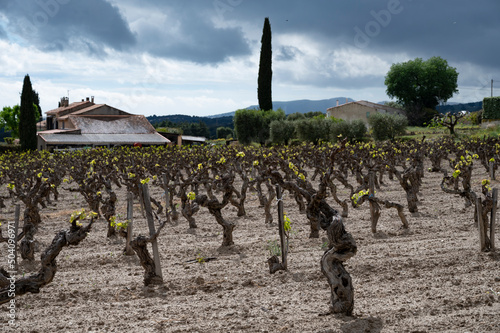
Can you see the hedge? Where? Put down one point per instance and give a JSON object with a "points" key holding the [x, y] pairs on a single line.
{"points": [[491, 107]]}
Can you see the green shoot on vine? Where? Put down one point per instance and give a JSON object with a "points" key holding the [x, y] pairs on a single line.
{"points": [[118, 226], [358, 195], [486, 184], [287, 226], [80, 215]]}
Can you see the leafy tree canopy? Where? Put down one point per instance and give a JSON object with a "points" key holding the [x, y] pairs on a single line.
{"points": [[419, 84], [9, 120]]}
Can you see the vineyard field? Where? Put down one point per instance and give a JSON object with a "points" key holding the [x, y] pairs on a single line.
{"points": [[431, 277]]}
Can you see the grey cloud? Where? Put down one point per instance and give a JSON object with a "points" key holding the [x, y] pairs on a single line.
{"points": [[195, 40], [327, 80], [3, 34], [287, 53], [457, 30], [87, 25]]}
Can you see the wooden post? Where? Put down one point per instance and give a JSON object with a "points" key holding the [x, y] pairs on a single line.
{"points": [[479, 212], [130, 218], [492, 170], [151, 225], [281, 228], [16, 232], [493, 219], [167, 194], [371, 194], [274, 261]]}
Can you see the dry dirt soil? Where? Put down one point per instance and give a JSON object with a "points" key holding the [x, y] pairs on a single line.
{"points": [[429, 278]]}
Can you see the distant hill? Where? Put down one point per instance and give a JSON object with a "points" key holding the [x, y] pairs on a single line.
{"points": [[212, 123], [457, 107], [302, 106]]}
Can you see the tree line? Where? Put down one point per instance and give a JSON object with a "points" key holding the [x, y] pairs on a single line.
{"points": [[20, 120]]}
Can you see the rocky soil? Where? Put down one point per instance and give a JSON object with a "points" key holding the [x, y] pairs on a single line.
{"points": [[428, 278]]}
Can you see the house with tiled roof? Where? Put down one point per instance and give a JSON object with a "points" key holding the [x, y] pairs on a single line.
{"points": [[360, 110], [86, 124]]}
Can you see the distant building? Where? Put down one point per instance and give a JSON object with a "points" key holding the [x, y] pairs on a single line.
{"points": [[86, 124], [182, 140], [360, 110]]}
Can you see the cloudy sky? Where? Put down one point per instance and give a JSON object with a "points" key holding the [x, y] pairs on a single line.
{"points": [[201, 57]]}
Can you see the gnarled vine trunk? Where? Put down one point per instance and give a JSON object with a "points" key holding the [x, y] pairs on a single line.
{"points": [[34, 282]]}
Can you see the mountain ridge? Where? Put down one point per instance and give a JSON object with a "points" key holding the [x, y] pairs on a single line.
{"points": [[300, 105]]}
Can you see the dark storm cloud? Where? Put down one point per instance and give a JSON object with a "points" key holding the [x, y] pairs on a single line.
{"points": [[194, 39], [460, 31], [188, 32], [51, 25], [457, 30]]}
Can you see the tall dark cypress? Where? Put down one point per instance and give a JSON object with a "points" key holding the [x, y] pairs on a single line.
{"points": [[265, 69], [27, 117]]}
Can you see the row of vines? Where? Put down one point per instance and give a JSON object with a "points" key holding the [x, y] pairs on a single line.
{"points": [[213, 177]]}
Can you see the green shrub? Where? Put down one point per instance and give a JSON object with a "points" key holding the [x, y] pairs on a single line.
{"points": [[281, 132], [473, 118], [224, 132], [358, 130], [253, 125], [314, 114], [8, 148], [352, 130], [314, 130], [491, 108], [295, 116], [387, 126]]}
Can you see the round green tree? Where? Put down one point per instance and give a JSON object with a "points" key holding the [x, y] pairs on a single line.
{"points": [[419, 84]]}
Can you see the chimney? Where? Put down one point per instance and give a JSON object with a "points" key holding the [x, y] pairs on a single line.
{"points": [[83, 100], [346, 100], [337, 102], [92, 99], [88, 99], [64, 102]]}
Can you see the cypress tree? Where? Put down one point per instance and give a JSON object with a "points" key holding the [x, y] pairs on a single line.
{"points": [[27, 117], [265, 69]]}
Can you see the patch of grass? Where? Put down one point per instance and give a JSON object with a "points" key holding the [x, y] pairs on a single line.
{"points": [[461, 131]]}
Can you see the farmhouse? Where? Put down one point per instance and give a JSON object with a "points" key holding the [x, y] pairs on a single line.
{"points": [[86, 124], [360, 110]]}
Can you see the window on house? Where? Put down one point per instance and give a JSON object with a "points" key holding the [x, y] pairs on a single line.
{"points": [[368, 115]]}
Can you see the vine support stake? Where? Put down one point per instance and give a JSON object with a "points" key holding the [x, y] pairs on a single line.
{"points": [[492, 170], [17, 213], [493, 219], [151, 225], [281, 226], [274, 262], [130, 218], [371, 194], [479, 211], [167, 193]]}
